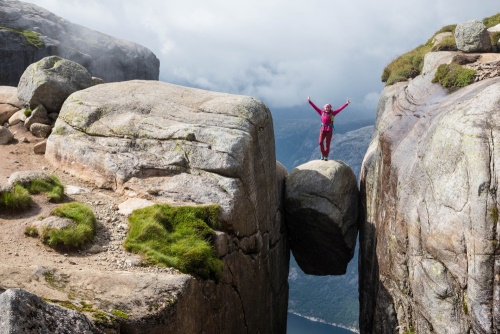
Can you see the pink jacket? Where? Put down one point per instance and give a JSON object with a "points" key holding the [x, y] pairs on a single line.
{"points": [[327, 117]]}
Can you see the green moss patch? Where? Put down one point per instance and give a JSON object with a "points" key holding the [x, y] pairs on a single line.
{"points": [[33, 38], [16, 199], [75, 235], [179, 237], [453, 76], [52, 187]]}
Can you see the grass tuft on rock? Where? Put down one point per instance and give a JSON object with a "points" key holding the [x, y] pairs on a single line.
{"points": [[52, 187], [179, 237], [16, 199], [453, 76], [410, 64], [492, 20], [75, 235]]}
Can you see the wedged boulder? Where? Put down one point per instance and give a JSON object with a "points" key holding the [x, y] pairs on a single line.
{"points": [[9, 103], [50, 81], [178, 145], [429, 246], [24, 312], [472, 36], [322, 216], [30, 33]]}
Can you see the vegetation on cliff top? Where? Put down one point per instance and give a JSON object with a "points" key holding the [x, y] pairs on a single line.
{"points": [[409, 65], [179, 237], [32, 37]]}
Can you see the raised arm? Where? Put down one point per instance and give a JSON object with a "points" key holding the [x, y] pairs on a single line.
{"points": [[339, 109], [319, 111]]}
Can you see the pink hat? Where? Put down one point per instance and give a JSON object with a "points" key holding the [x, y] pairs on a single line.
{"points": [[328, 105]]}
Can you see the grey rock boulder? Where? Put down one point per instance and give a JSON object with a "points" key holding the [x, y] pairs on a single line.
{"points": [[50, 81], [5, 135], [40, 130], [25, 177], [38, 115], [9, 103], [322, 216], [106, 57], [24, 312], [472, 36]]}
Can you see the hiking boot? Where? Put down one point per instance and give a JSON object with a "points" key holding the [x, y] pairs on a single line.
{"points": [[322, 157], [326, 159]]}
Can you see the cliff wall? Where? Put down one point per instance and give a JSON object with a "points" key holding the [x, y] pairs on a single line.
{"points": [[429, 244]]}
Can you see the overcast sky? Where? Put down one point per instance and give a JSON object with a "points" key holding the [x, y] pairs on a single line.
{"points": [[279, 51]]}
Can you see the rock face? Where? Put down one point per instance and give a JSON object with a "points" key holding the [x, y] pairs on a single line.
{"points": [[429, 246], [23, 312], [472, 36], [30, 33], [50, 81], [173, 144], [322, 216]]}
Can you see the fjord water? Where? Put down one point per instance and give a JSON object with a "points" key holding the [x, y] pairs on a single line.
{"points": [[300, 325]]}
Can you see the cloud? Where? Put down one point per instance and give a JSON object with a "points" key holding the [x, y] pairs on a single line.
{"points": [[279, 51]]}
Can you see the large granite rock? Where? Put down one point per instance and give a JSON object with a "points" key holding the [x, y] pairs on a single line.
{"points": [[429, 246], [23, 312], [472, 36], [168, 143], [50, 81], [105, 57], [322, 216]]}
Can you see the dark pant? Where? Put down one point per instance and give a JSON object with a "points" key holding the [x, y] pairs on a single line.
{"points": [[325, 136]]}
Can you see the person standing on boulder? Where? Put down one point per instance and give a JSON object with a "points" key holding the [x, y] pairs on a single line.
{"points": [[326, 130]]}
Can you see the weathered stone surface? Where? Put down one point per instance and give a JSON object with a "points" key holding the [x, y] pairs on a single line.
{"points": [[105, 57], [25, 177], [472, 36], [38, 115], [429, 245], [15, 118], [5, 135], [40, 130], [52, 222], [9, 103], [126, 208], [186, 146], [440, 37], [50, 81], [23, 312], [322, 216], [40, 147]]}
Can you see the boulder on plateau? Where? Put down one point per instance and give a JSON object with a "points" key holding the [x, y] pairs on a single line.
{"points": [[429, 246], [9, 103], [24, 312], [172, 144], [322, 216], [472, 36], [30, 33], [50, 81]]}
